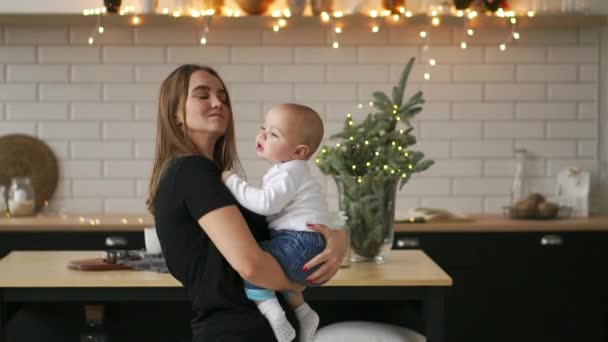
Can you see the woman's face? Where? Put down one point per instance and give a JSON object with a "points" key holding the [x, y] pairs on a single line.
{"points": [[206, 111]]}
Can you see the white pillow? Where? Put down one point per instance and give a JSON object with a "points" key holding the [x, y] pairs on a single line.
{"points": [[361, 331]]}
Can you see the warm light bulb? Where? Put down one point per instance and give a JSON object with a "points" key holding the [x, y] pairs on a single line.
{"points": [[371, 103], [460, 13], [422, 34], [100, 29], [433, 13], [472, 14], [324, 16], [282, 22], [237, 13], [177, 14], [338, 14], [408, 14], [513, 21], [90, 40], [463, 45], [531, 14], [516, 35], [204, 41], [335, 45], [275, 28], [360, 105], [435, 21], [135, 20], [427, 76], [375, 29], [373, 13], [396, 17], [287, 13], [338, 29], [401, 9], [503, 47], [470, 32], [432, 62], [165, 10], [276, 13]]}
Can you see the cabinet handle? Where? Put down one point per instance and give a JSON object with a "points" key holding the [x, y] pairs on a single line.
{"points": [[116, 241], [408, 243], [552, 240]]}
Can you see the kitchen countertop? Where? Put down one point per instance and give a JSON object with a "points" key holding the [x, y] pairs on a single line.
{"points": [[137, 222], [76, 223], [498, 223]]}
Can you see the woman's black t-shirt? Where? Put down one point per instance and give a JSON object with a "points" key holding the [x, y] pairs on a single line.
{"points": [[190, 188]]}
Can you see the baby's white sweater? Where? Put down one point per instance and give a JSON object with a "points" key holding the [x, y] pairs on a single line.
{"points": [[290, 197]]}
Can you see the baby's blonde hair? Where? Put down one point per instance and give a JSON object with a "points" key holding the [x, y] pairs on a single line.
{"points": [[309, 125]]}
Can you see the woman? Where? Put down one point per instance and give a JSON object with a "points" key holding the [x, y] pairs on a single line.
{"points": [[208, 240]]}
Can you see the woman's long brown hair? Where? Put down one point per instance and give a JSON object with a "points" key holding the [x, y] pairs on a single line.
{"points": [[172, 140]]}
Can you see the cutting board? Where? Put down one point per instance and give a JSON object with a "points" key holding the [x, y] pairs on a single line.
{"points": [[97, 264]]}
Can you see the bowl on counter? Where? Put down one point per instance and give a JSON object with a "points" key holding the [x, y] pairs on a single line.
{"points": [[562, 212]]}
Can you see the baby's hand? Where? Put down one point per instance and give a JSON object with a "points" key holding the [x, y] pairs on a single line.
{"points": [[226, 174]]}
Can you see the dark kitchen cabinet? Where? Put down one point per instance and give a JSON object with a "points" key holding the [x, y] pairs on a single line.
{"points": [[521, 286], [65, 240]]}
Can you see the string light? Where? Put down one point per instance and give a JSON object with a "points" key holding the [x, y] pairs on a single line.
{"points": [[135, 20]]}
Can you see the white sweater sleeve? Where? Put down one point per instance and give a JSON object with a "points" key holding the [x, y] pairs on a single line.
{"points": [[274, 195]]}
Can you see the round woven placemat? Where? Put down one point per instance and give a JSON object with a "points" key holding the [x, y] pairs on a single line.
{"points": [[26, 156]]}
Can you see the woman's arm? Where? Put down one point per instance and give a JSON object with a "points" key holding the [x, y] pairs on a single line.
{"points": [[228, 230], [336, 245]]}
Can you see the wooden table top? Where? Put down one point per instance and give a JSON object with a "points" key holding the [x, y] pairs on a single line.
{"points": [[49, 269]]}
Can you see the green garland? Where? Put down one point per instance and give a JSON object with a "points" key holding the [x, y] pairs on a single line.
{"points": [[369, 160]]}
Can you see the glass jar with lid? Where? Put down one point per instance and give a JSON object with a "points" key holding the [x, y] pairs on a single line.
{"points": [[21, 197]]}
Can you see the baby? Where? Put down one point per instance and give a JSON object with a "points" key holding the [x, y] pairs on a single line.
{"points": [[291, 199]]}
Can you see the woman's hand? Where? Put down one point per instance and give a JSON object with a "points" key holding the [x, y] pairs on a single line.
{"points": [[332, 255]]}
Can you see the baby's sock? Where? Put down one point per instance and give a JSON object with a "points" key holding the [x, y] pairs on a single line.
{"points": [[309, 322], [272, 310]]}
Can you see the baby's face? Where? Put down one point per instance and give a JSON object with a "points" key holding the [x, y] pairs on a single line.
{"points": [[277, 139]]}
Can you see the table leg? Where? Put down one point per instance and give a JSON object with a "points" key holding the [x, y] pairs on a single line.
{"points": [[3, 317], [435, 314]]}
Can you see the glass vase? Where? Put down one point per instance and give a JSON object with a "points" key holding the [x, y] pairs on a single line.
{"points": [[369, 204]]}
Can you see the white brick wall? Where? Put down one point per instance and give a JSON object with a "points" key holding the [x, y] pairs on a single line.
{"points": [[95, 105]]}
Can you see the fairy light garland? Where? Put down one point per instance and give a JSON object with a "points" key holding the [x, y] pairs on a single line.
{"points": [[281, 18]]}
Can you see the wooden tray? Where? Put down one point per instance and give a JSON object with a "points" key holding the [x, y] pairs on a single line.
{"points": [[97, 264]]}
